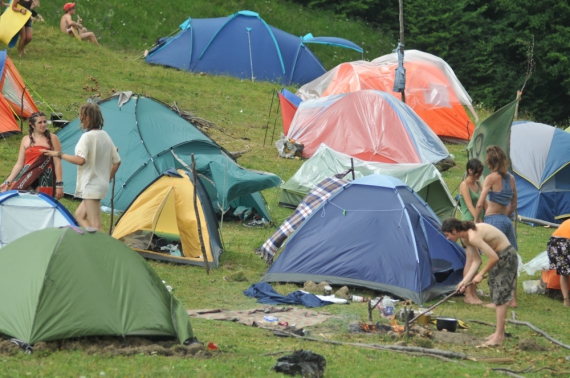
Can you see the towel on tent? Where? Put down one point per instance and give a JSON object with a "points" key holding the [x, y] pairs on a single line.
{"points": [[265, 293]]}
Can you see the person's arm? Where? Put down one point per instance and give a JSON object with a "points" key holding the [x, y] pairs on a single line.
{"points": [[464, 192], [472, 251], [73, 159], [114, 169], [58, 169], [482, 198], [15, 7], [492, 258], [17, 167], [513, 205]]}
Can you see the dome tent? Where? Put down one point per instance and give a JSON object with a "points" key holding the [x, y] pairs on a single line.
{"points": [[368, 125], [152, 138], [540, 157], [74, 283], [24, 212], [243, 45], [374, 233]]}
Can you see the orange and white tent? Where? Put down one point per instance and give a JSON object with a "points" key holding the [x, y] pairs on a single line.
{"points": [[432, 89], [13, 87]]}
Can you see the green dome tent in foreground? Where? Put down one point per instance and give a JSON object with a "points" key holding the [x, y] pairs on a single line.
{"points": [[59, 283]]}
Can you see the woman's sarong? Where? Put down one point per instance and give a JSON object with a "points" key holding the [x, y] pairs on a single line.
{"points": [[38, 172]]}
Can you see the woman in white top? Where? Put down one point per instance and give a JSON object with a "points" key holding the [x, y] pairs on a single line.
{"points": [[97, 160]]}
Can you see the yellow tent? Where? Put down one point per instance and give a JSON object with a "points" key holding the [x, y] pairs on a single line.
{"points": [[161, 222]]}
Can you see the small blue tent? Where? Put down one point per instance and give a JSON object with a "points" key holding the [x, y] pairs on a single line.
{"points": [[375, 233], [540, 156], [245, 46]]}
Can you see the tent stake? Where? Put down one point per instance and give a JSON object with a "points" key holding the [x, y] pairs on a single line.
{"points": [[198, 221]]}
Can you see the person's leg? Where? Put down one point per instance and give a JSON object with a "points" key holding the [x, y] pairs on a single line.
{"points": [[564, 290], [81, 215], [498, 337], [93, 210], [22, 41], [471, 290], [90, 36]]}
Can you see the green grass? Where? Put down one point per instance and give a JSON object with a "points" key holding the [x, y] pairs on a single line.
{"points": [[61, 72]]}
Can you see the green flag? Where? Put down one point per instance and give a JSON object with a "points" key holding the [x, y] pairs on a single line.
{"points": [[495, 130]]}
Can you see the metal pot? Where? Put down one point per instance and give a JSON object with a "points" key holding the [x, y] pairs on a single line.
{"points": [[449, 324]]}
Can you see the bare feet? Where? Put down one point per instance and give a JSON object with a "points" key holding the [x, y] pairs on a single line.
{"points": [[494, 340], [474, 300], [566, 302]]}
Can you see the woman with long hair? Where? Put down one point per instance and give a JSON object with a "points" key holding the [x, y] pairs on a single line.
{"points": [[97, 160], [33, 170], [500, 193], [469, 194]]}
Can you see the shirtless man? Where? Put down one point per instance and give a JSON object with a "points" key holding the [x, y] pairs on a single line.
{"points": [[501, 265], [67, 23]]}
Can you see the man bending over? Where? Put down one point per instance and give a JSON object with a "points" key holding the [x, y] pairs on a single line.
{"points": [[66, 24], [501, 265]]}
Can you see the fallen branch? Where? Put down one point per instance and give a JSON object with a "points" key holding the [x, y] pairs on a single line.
{"points": [[480, 322], [538, 330], [508, 372], [396, 348]]}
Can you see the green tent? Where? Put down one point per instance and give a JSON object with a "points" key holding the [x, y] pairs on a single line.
{"points": [[59, 283], [152, 138], [423, 178]]}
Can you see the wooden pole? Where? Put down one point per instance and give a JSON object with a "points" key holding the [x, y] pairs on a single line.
{"points": [[198, 221], [402, 40]]}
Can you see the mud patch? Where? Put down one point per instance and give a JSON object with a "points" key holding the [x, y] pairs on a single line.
{"points": [[457, 338], [530, 345], [113, 346]]}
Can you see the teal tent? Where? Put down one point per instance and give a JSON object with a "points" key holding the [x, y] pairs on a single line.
{"points": [[152, 138], [59, 283]]}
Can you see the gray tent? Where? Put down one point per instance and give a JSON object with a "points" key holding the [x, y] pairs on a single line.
{"points": [[423, 178]]}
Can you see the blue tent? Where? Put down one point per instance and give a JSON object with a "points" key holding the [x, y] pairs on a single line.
{"points": [[374, 233], [540, 156], [244, 46]]}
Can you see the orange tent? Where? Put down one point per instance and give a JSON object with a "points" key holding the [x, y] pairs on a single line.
{"points": [[8, 124], [432, 89], [551, 279], [13, 88]]}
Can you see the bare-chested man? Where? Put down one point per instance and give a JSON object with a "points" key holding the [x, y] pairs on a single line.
{"points": [[501, 265], [67, 23]]}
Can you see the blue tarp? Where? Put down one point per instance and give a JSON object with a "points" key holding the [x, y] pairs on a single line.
{"points": [[265, 294], [245, 46], [540, 156], [374, 233]]}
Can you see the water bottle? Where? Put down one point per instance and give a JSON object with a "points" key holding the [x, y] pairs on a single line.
{"points": [[387, 307]]}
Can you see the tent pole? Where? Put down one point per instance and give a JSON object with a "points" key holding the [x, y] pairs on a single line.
{"points": [[112, 207], [401, 8], [198, 221], [269, 115], [22, 110], [352, 168], [275, 122]]}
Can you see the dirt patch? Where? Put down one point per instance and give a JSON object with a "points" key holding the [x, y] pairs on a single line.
{"points": [[530, 345], [457, 338], [113, 346]]}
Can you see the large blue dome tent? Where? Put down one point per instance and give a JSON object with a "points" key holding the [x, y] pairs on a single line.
{"points": [[374, 233], [245, 46], [540, 156]]}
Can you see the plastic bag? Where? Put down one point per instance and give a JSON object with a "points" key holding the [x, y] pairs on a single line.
{"points": [[539, 263], [534, 287], [386, 307]]}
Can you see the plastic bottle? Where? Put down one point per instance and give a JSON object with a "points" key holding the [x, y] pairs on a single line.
{"points": [[358, 298]]}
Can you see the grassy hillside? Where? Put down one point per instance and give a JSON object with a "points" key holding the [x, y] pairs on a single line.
{"points": [[64, 72]]}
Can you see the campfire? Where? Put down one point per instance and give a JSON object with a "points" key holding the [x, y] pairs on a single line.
{"points": [[392, 329], [396, 327]]}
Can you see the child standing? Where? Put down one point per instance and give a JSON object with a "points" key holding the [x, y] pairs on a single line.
{"points": [[97, 160]]}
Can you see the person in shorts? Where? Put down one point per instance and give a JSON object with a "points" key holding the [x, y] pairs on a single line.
{"points": [[501, 265], [97, 159]]}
